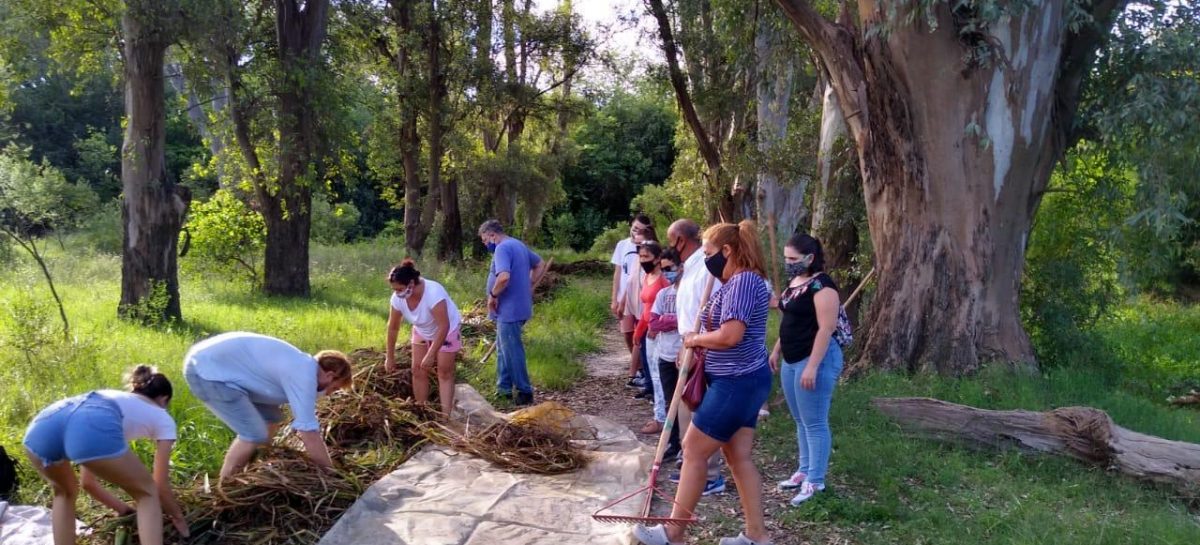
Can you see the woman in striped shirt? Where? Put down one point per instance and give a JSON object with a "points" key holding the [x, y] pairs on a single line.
{"points": [[733, 335]]}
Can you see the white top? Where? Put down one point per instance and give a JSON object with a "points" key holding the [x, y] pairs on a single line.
{"points": [[691, 289], [422, 317], [669, 343], [270, 370], [141, 418], [625, 257]]}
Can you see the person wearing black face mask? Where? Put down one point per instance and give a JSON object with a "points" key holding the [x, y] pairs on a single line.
{"points": [[648, 256], [811, 360], [733, 336]]}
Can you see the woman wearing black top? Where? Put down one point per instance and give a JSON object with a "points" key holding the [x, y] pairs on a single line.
{"points": [[812, 360]]}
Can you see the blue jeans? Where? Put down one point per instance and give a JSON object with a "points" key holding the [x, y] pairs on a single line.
{"points": [[810, 410], [510, 359]]}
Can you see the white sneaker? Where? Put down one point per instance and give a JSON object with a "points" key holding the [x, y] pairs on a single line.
{"points": [[741, 539], [807, 491], [792, 482], [652, 535]]}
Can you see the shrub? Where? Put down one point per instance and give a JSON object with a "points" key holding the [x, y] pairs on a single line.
{"points": [[333, 224], [222, 234]]}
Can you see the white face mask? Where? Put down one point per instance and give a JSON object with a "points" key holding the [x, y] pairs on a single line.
{"points": [[404, 294]]}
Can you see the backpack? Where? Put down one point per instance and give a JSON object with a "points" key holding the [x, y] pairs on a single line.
{"points": [[8, 476], [843, 334]]}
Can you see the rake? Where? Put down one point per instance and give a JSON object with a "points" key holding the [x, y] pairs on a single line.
{"points": [[650, 491]]}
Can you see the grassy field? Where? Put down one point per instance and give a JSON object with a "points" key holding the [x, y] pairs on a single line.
{"points": [[885, 487], [347, 310]]}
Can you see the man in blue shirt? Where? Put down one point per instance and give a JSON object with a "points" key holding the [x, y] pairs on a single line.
{"points": [[510, 304]]}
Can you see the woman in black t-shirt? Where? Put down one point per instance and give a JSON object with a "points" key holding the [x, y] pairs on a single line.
{"points": [[812, 359]]}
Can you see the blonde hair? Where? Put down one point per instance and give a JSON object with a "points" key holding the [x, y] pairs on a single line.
{"points": [[337, 363], [742, 240]]}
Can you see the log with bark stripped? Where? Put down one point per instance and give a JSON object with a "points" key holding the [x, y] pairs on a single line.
{"points": [[1083, 433]]}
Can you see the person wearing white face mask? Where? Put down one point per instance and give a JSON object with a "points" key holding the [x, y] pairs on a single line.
{"points": [[435, 331], [244, 378], [811, 360]]}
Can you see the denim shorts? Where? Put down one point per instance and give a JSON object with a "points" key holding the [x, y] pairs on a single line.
{"points": [[80, 429], [232, 405], [732, 403]]}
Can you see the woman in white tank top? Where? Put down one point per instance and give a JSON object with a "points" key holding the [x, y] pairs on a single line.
{"points": [[93, 430], [435, 331]]}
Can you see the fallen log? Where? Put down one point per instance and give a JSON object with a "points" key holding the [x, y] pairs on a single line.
{"points": [[1192, 398], [1083, 433]]}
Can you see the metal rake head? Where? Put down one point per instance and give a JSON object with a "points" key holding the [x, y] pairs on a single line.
{"points": [[644, 518]]}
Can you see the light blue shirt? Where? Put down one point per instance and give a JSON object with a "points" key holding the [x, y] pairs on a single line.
{"points": [[269, 370]]}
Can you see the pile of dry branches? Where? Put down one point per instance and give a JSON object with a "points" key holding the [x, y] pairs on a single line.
{"points": [[283, 499]]}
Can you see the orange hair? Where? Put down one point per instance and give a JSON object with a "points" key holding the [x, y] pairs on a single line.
{"points": [[742, 240], [337, 363]]}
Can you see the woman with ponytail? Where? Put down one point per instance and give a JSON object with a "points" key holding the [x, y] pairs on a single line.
{"points": [[733, 337], [435, 331], [812, 360], [94, 430]]}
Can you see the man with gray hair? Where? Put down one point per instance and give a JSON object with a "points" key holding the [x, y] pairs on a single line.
{"points": [[510, 304], [684, 236]]}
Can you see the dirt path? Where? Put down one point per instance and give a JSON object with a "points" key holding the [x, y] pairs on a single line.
{"points": [[603, 393]]}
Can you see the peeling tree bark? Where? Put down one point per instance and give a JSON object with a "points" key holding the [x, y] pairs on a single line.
{"points": [[782, 201], [837, 200], [1082, 433], [153, 208], [954, 160]]}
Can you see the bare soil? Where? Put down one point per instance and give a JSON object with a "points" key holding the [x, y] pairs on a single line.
{"points": [[603, 393]]}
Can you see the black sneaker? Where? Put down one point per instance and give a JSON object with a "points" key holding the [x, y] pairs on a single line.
{"points": [[523, 399], [643, 395], [671, 454]]}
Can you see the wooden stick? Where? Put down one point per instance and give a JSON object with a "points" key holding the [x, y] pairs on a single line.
{"points": [[860, 287], [774, 255]]}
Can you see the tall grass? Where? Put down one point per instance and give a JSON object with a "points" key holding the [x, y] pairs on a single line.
{"points": [[347, 310]]}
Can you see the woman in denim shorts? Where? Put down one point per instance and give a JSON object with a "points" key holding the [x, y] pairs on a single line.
{"points": [[733, 336], [94, 431]]}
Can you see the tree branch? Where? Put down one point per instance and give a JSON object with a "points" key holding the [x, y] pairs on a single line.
{"points": [[837, 48], [709, 150], [1078, 56]]}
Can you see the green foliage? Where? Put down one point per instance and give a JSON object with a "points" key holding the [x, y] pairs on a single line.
{"points": [[37, 198], [102, 231], [1156, 346], [608, 239], [1141, 105], [225, 236], [333, 223], [1074, 254], [625, 146]]}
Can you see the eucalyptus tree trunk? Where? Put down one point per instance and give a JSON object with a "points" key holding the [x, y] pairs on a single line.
{"points": [[954, 157], [782, 205], [286, 206], [153, 208]]}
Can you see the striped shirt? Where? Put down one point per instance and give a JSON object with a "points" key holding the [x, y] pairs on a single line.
{"points": [[745, 298]]}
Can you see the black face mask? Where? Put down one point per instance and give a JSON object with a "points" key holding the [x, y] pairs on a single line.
{"points": [[715, 264], [648, 266]]}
